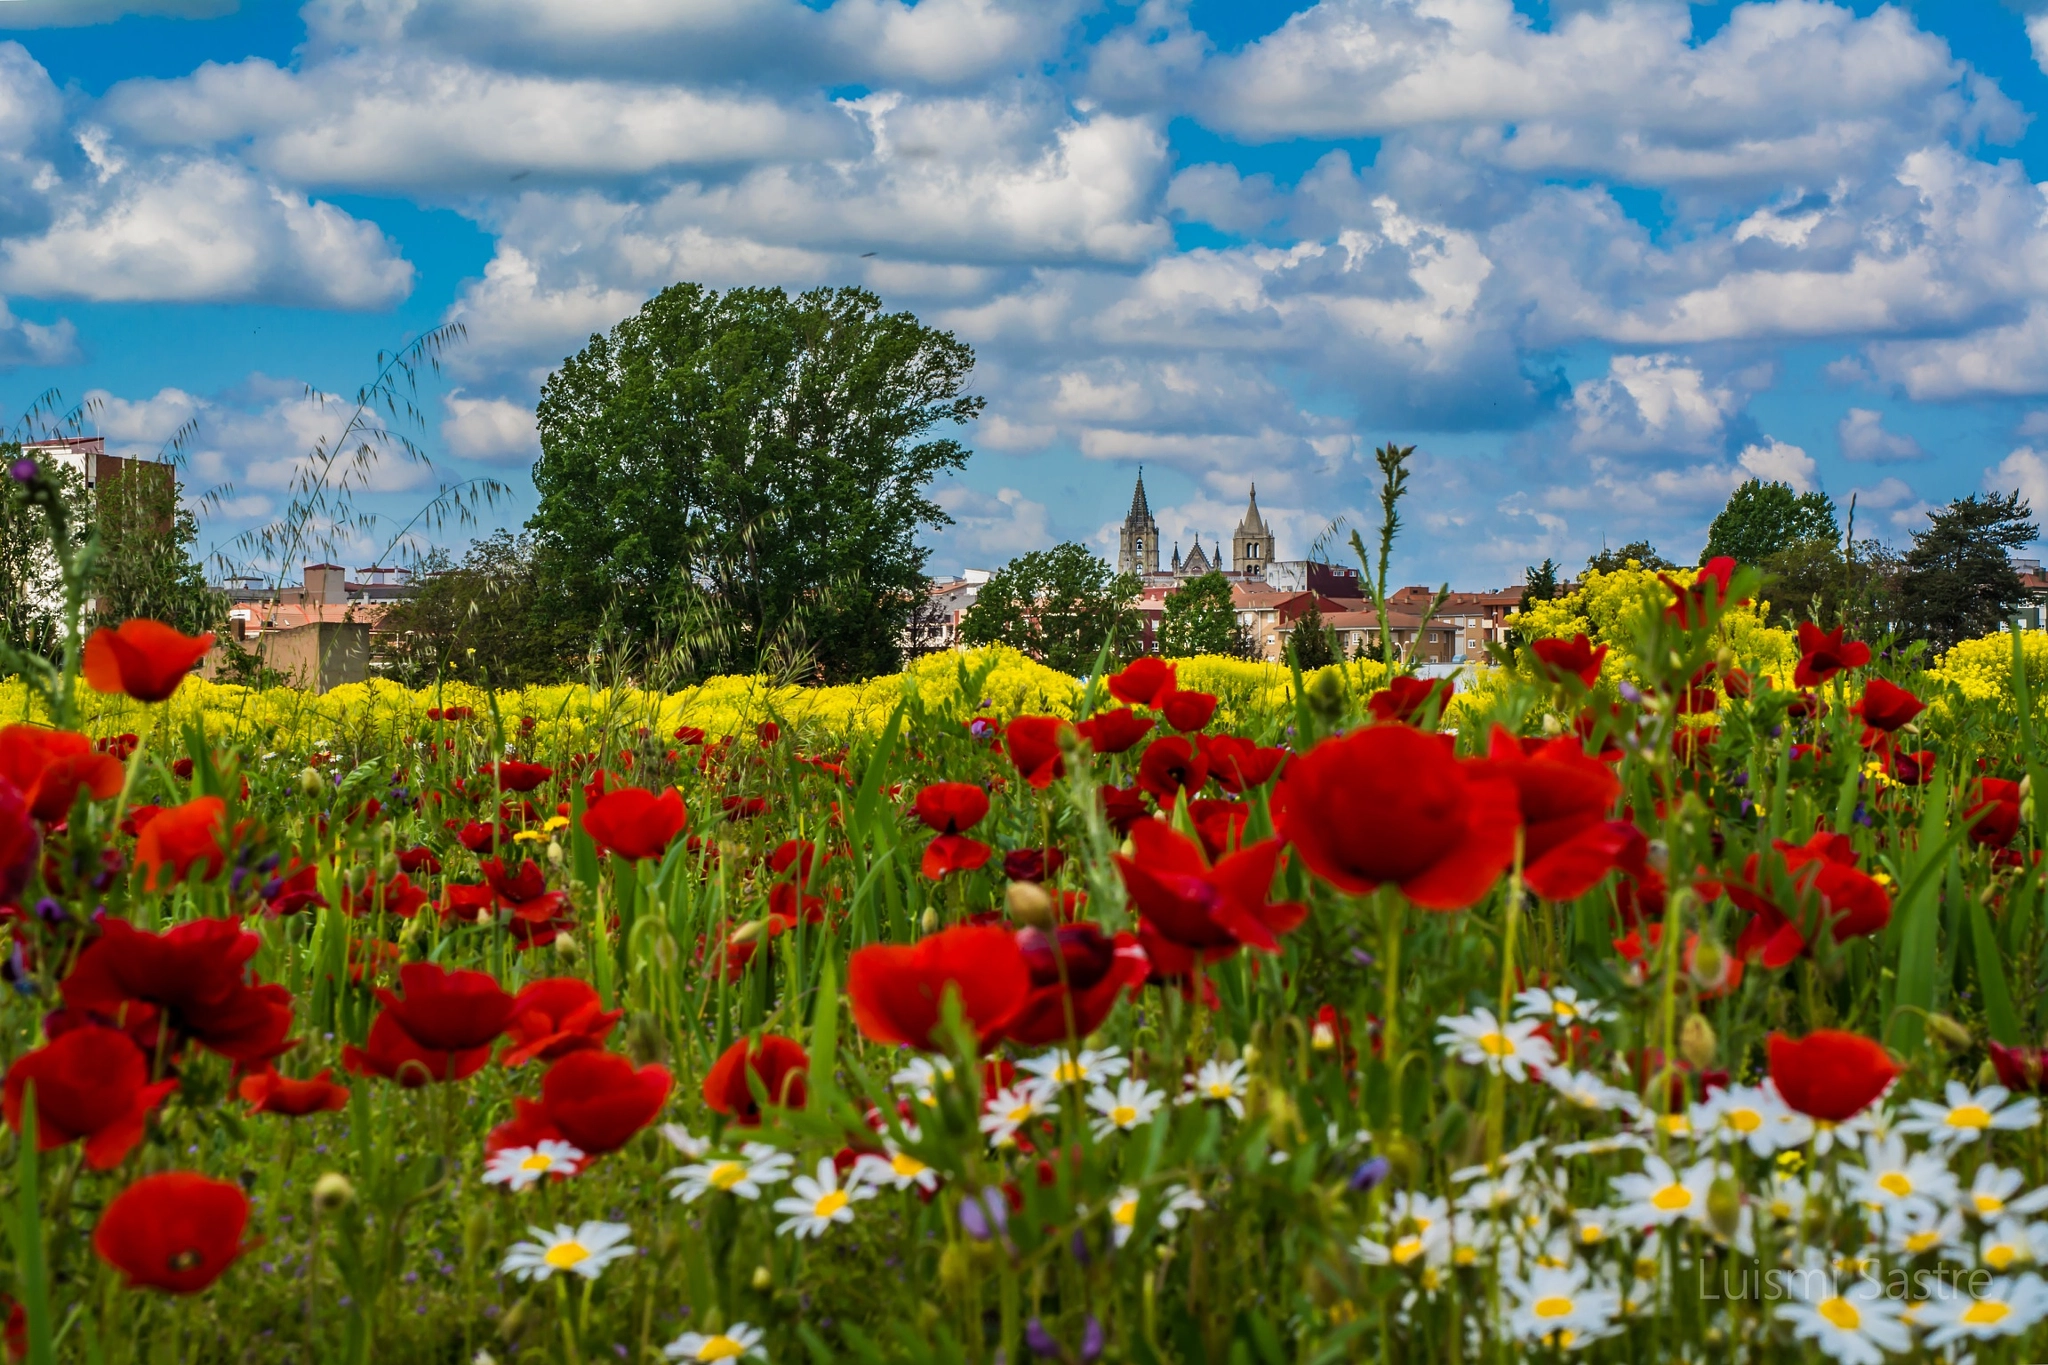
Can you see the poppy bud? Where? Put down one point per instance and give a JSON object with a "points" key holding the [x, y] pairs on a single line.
{"points": [[476, 1233], [1952, 1032], [666, 952], [387, 867], [644, 1043], [358, 878], [1696, 1041], [1326, 697], [1725, 658], [1724, 1203], [555, 854], [1029, 904], [762, 1279], [310, 783], [750, 931], [954, 1268], [514, 1322], [1658, 856], [1710, 964], [929, 923], [332, 1192], [1987, 1074]]}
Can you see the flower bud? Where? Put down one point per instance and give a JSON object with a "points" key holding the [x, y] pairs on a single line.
{"points": [[1709, 965], [1028, 904], [332, 1192], [311, 784], [1950, 1031], [567, 948], [555, 853], [762, 1279], [1696, 1041], [1724, 1203], [929, 922]]}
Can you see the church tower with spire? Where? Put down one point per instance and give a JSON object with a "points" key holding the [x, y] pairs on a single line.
{"points": [[1137, 550], [1251, 548]]}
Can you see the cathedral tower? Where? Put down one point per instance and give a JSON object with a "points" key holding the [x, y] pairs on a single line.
{"points": [[1137, 550], [1251, 548]]}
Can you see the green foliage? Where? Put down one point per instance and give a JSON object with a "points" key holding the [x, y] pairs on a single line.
{"points": [[31, 585], [1315, 644], [747, 473], [1764, 519], [1200, 619], [145, 566], [1957, 582], [1641, 551], [1058, 606], [1540, 583], [481, 619], [1813, 580]]}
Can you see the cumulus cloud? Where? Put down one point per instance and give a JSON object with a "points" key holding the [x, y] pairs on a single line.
{"points": [[1775, 461], [1864, 439], [988, 530], [489, 428], [2025, 469], [1650, 403]]}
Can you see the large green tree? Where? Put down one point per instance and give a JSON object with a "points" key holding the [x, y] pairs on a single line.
{"points": [[1641, 551], [1762, 519], [481, 620], [1957, 581], [746, 473], [1200, 619], [1058, 606]]}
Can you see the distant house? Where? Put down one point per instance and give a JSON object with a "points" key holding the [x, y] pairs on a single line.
{"points": [[318, 633], [935, 624]]}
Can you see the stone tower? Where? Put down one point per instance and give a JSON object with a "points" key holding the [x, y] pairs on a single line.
{"points": [[1251, 548], [1137, 550]]}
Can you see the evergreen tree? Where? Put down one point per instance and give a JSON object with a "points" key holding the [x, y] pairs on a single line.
{"points": [[1539, 584], [1957, 581], [1314, 644], [1763, 519], [1200, 619], [1058, 606]]}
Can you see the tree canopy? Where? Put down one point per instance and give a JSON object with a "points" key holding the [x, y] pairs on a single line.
{"points": [[747, 472], [1957, 581], [1056, 605], [1761, 519], [483, 617], [1641, 551], [1200, 619], [1315, 644]]}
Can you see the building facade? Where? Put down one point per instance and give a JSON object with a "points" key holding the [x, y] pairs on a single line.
{"points": [[1137, 550]]}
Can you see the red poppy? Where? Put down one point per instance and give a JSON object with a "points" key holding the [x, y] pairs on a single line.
{"points": [[146, 659], [1694, 604], [1123, 806], [419, 858], [1170, 766], [797, 853], [1143, 682], [896, 990], [470, 904], [2019, 1068], [1391, 804], [768, 732], [1640, 945], [1886, 706], [554, 1017], [634, 823], [1197, 906], [266, 1092], [1995, 813], [293, 889], [1033, 864], [952, 807], [1405, 699], [393, 1054], [398, 898], [1825, 882], [1219, 824], [689, 735], [949, 853], [598, 1100], [182, 838], [49, 767], [1113, 732], [448, 1011], [1830, 1075], [1034, 745], [1078, 971], [250, 1024], [90, 1083], [779, 1064], [1237, 764], [177, 1231], [1187, 711], [519, 777], [1577, 658], [1913, 768], [1823, 653], [187, 967], [19, 842], [1568, 843]]}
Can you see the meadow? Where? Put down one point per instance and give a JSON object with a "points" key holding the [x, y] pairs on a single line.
{"points": [[1673, 992]]}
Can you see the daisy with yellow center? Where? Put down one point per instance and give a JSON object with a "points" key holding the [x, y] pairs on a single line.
{"points": [[1964, 1115], [737, 1342], [1479, 1039], [744, 1177], [1012, 1108], [1851, 1319], [896, 1168], [1218, 1082], [1659, 1195], [2006, 1307], [1131, 1105], [518, 1167], [1556, 1304], [584, 1250], [817, 1202]]}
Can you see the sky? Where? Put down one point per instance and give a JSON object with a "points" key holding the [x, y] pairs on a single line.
{"points": [[1598, 261]]}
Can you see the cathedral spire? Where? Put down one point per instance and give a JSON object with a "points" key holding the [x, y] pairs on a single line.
{"points": [[1141, 510]]}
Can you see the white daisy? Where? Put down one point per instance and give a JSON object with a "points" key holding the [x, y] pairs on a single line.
{"points": [[1173, 1202], [2012, 1243], [896, 1168], [1914, 1229], [922, 1076], [2004, 1308], [518, 1167], [820, 1201], [737, 1342], [1218, 1082], [584, 1250], [1482, 1040], [1619, 1142], [1405, 1249], [1010, 1109], [1588, 1091], [1558, 1005], [1964, 1115], [1852, 1321], [1750, 1115], [1131, 1105], [1557, 1307], [686, 1142], [1891, 1176], [1787, 1197], [1060, 1067], [1659, 1196], [1995, 1192], [757, 1166]]}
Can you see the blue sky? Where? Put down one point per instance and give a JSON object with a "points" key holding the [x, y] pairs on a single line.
{"points": [[1598, 262]]}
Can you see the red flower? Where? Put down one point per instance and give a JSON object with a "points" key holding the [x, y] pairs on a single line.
{"points": [[19, 842], [768, 732], [1826, 882], [269, 1093], [1033, 864], [896, 989], [1568, 843], [399, 898], [1391, 804], [462, 901], [1112, 732], [1914, 767], [951, 807], [1097, 968], [90, 1083], [634, 823], [519, 777], [1188, 902], [1186, 711], [146, 659], [1694, 604], [1237, 764], [1995, 813], [1122, 806], [448, 1011], [1577, 657], [1034, 745], [598, 1101], [555, 1017], [176, 1232], [779, 1064], [1822, 654], [948, 853], [1170, 766], [1143, 682], [187, 968], [394, 1055], [1405, 699], [49, 766], [1830, 1075], [689, 734], [1885, 706], [293, 889], [2019, 1068], [419, 858], [248, 1025], [182, 838], [1219, 824]]}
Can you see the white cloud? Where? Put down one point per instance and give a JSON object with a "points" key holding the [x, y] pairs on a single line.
{"points": [[489, 428], [988, 531], [2037, 37], [1650, 403], [1774, 461], [1863, 438], [2025, 469], [24, 343], [1889, 492]]}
